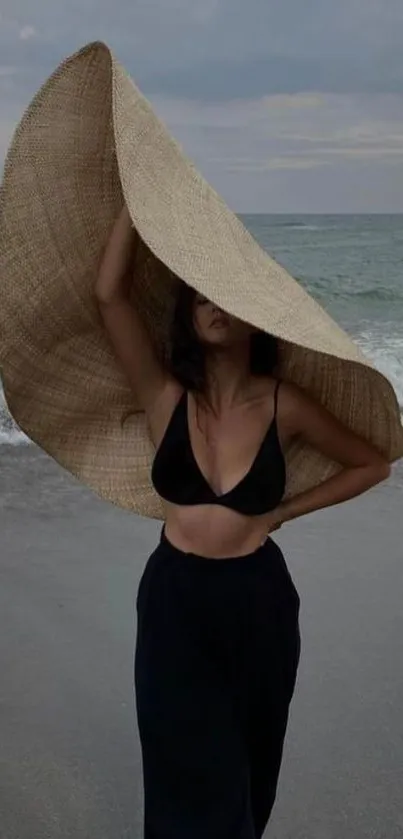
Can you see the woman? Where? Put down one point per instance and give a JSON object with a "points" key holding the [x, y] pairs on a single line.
{"points": [[218, 640]]}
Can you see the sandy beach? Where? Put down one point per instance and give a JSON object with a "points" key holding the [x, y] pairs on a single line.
{"points": [[70, 763]]}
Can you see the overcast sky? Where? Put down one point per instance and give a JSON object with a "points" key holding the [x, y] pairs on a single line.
{"points": [[284, 105]]}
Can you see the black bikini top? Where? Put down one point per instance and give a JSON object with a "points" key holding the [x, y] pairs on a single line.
{"points": [[177, 478]]}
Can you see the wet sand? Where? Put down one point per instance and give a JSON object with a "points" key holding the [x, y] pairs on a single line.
{"points": [[70, 763]]}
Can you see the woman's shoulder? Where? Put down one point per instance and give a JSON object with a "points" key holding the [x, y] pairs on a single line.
{"points": [[293, 404], [265, 386], [293, 397]]}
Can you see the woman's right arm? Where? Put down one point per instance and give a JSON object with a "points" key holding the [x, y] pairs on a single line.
{"points": [[128, 335]]}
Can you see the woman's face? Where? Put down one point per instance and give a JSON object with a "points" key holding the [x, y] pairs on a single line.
{"points": [[215, 327]]}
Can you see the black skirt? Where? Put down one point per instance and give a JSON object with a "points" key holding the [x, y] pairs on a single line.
{"points": [[217, 652]]}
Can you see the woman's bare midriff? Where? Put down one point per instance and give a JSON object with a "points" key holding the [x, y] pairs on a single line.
{"points": [[214, 532]]}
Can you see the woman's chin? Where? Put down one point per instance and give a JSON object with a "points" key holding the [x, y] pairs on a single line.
{"points": [[218, 338]]}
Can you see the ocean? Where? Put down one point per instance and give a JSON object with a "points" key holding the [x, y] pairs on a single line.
{"points": [[352, 265]]}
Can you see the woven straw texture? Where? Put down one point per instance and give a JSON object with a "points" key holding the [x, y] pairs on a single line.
{"points": [[88, 140]]}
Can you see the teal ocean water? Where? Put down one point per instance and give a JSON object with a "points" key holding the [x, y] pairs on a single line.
{"points": [[353, 266]]}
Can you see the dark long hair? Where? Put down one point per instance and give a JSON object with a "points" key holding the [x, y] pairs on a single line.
{"points": [[187, 353]]}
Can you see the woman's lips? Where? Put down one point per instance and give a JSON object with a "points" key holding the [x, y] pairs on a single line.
{"points": [[219, 321]]}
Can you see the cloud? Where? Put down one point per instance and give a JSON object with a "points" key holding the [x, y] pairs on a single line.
{"points": [[263, 154], [220, 49], [27, 32], [283, 105], [274, 163], [7, 71], [206, 11], [283, 101]]}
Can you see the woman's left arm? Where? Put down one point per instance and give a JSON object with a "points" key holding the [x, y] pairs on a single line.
{"points": [[363, 466]]}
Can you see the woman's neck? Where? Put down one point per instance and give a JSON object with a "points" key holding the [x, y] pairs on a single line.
{"points": [[227, 379]]}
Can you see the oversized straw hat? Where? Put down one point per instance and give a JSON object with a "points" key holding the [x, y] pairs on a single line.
{"points": [[88, 140]]}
